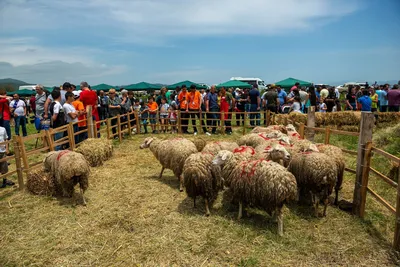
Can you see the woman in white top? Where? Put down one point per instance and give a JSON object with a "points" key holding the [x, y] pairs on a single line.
{"points": [[18, 109]]}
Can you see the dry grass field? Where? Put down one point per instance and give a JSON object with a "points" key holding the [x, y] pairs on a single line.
{"points": [[133, 218]]}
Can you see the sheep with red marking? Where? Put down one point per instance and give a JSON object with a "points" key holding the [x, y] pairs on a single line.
{"points": [[256, 139], [275, 152], [215, 147], [270, 128], [258, 183], [202, 178], [171, 154]]}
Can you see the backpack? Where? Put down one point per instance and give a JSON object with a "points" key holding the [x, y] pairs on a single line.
{"points": [[60, 121]]}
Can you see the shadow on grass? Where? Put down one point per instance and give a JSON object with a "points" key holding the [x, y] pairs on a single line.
{"points": [[72, 202], [7, 192], [169, 180]]}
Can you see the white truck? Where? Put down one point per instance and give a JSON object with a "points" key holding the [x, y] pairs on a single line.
{"points": [[252, 81]]}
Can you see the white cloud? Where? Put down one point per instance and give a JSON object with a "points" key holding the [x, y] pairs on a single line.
{"points": [[155, 20]]}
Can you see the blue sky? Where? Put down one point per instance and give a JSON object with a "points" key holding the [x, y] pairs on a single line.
{"points": [[121, 42]]}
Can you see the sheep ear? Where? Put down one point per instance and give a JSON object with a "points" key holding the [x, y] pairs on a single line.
{"points": [[224, 156]]}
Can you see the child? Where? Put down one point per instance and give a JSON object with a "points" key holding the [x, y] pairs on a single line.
{"points": [[296, 106], [322, 105], [78, 105], [164, 107], [3, 154], [57, 115], [144, 115], [153, 107], [136, 109], [72, 113], [172, 117]]}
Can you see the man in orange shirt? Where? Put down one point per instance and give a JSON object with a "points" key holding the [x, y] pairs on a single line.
{"points": [[194, 100], [183, 105]]}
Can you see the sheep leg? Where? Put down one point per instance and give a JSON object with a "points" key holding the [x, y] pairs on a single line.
{"points": [[162, 170], [240, 210], [279, 215], [194, 202], [326, 201], [207, 208], [83, 197], [316, 205], [181, 183]]}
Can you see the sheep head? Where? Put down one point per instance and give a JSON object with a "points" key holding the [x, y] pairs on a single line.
{"points": [[222, 157], [46, 162], [290, 128], [285, 139], [278, 153], [311, 148], [146, 143]]}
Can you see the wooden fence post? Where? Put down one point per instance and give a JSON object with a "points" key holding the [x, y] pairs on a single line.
{"points": [[301, 130], [50, 140], [365, 177], [71, 136], [311, 123], [108, 126], [366, 126], [18, 163], [137, 122], [119, 128], [222, 122], [179, 122], [129, 123], [244, 122], [268, 117], [327, 135], [23, 154], [396, 243], [89, 116]]}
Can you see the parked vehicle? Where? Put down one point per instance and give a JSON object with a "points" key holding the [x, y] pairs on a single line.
{"points": [[252, 81], [345, 87]]}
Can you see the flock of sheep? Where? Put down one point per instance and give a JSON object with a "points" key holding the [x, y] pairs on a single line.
{"points": [[264, 169]]}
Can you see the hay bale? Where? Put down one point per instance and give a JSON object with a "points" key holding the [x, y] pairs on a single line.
{"points": [[349, 128], [298, 117], [95, 150], [40, 182]]}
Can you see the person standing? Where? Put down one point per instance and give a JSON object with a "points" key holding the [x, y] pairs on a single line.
{"points": [[312, 97], [194, 100], [213, 107], [114, 107], [330, 101], [282, 96], [182, 100], [78, 105], [295, 87], [18, 109], [365, 101], [226, 101], [89, 98], [324, 92], [270, 101], [67, 87], [32, 102], [103, 105], [394, 99], [303, 98], [162, 94], [255, 105], [153, 108], [71, 113], [57, 115], [164, 115], [3, 154], [5, 112], [351, 99], [374, 99]]}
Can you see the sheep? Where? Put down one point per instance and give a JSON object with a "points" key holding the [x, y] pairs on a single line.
{"points": [[245, 152], [270, 128], [258, 183], [277, 153], [316, 173], [214, 147], [171, 154], [199, 142], [68, 169], [337, 155], [292, 133], [201, 178], [255, 139]]}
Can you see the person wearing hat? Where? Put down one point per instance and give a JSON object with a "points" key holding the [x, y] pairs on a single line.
{"points": [[78, 105]]}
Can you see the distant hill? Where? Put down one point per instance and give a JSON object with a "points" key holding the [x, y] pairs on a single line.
{"points": [[11, 84]]}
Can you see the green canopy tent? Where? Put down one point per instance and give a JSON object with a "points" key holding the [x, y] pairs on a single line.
{"points": [[187, 83], [102, 86], [23, 92], [142, 86], [234, 84], [290, 82]]}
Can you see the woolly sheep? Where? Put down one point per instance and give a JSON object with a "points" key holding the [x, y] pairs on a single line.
{"points": [[292, 133], [202, 178], [257, 183], [68, 169], [315, 172], [277, 153], [171, 154], [255, 139], [336, 154], [270, 128], [215, 147]]}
